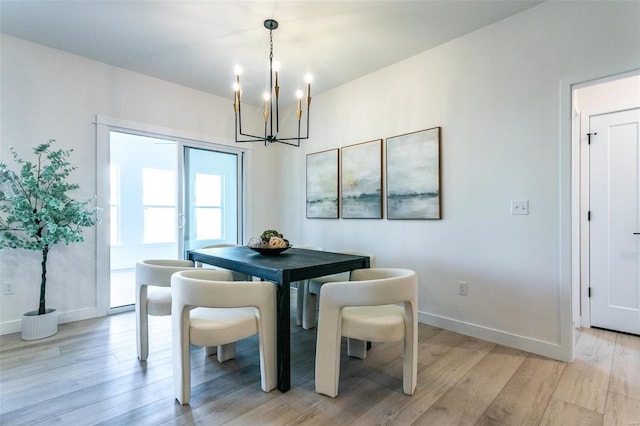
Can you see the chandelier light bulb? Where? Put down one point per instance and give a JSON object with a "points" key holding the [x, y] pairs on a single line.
{"points": [[308, 78], [237, 94], [236, 85], [299, 94]]}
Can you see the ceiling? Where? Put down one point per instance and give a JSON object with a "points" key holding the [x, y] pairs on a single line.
{"points": [[198, 43]]}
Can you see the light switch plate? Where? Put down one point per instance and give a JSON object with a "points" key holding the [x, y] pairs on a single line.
{"points": [[520, 207]]}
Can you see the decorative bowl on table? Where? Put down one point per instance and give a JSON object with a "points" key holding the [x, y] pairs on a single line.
{"points": [[267, 251], [273, 247]]}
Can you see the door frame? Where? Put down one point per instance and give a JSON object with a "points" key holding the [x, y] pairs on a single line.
{"points": [[569, 239], [580, 197], [104, 125], [585, 202]]}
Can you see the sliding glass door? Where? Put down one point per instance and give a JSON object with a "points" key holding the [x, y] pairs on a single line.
{"points": [[211, 207], [167, 196]]}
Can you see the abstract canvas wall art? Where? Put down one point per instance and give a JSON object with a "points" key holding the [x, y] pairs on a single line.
{"points": [[322, 185], [413, 175], [361, 179]]}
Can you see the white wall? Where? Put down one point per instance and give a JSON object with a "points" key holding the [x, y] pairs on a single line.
{"points": [[46, 93], [498, 95]]}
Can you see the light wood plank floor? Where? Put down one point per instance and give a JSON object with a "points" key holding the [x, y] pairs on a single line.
{"points": [[88, 374]]}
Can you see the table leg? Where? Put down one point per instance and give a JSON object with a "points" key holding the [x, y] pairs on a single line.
{"points": [[284, 337]]}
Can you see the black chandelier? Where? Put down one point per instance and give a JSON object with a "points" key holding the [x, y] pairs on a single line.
{"points": [[270, 107]]}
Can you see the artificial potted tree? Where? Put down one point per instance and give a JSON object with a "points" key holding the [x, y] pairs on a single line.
{"points": [[36, 213]]}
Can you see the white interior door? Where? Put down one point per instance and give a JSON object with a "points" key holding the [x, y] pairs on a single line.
{"points": [[614, 181]]}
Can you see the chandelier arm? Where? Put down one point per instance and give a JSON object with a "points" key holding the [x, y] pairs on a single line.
{"points": [[277, 117], [302, 138], [252, 138], [265, 134], [255, 139], [239, 116], [263, 139], [241, 133], [248, 135], [235, 122], [285, 142]]}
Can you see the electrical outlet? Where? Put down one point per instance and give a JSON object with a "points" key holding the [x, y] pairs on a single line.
{"points": [[462, 288], [8, 288]]}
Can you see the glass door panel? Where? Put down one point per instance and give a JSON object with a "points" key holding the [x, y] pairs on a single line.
{"points": [[142, 207], [211, 194]]}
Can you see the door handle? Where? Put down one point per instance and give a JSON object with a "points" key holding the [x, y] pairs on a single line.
{"points": [[636, 233]]}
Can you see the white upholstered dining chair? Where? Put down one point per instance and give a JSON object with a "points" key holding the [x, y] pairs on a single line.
{"points": [[153, 295], [211, 310], [237, 276], [377, 305], [301, 291], [312, 290]]}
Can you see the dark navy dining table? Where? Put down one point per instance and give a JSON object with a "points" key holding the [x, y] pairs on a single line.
{"points": [[289, 266]]}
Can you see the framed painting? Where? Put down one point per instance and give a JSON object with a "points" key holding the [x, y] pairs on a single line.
{"points": [[413, 175], [322, 185], [361, 180]]}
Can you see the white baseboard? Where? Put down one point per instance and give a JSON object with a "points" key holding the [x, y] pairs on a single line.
{"points": [[9, 327], [15, 326], [527, 344]]}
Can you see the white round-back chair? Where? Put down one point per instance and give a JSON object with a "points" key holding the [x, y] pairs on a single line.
{"points": [[211, 310], [377, 305], [312, 290], [153, 295]]}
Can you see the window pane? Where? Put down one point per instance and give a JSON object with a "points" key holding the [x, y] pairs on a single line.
{"points": [[114, 201], [159, 225], [208, 223], [115, 225], [208, 190], [159, 187], [211, 197], [114, 184]]}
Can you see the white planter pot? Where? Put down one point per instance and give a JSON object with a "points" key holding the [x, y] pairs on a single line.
{"points": [[36, 326]]}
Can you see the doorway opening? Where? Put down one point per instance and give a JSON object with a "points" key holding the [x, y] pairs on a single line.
{"points": [[606, 202]]}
